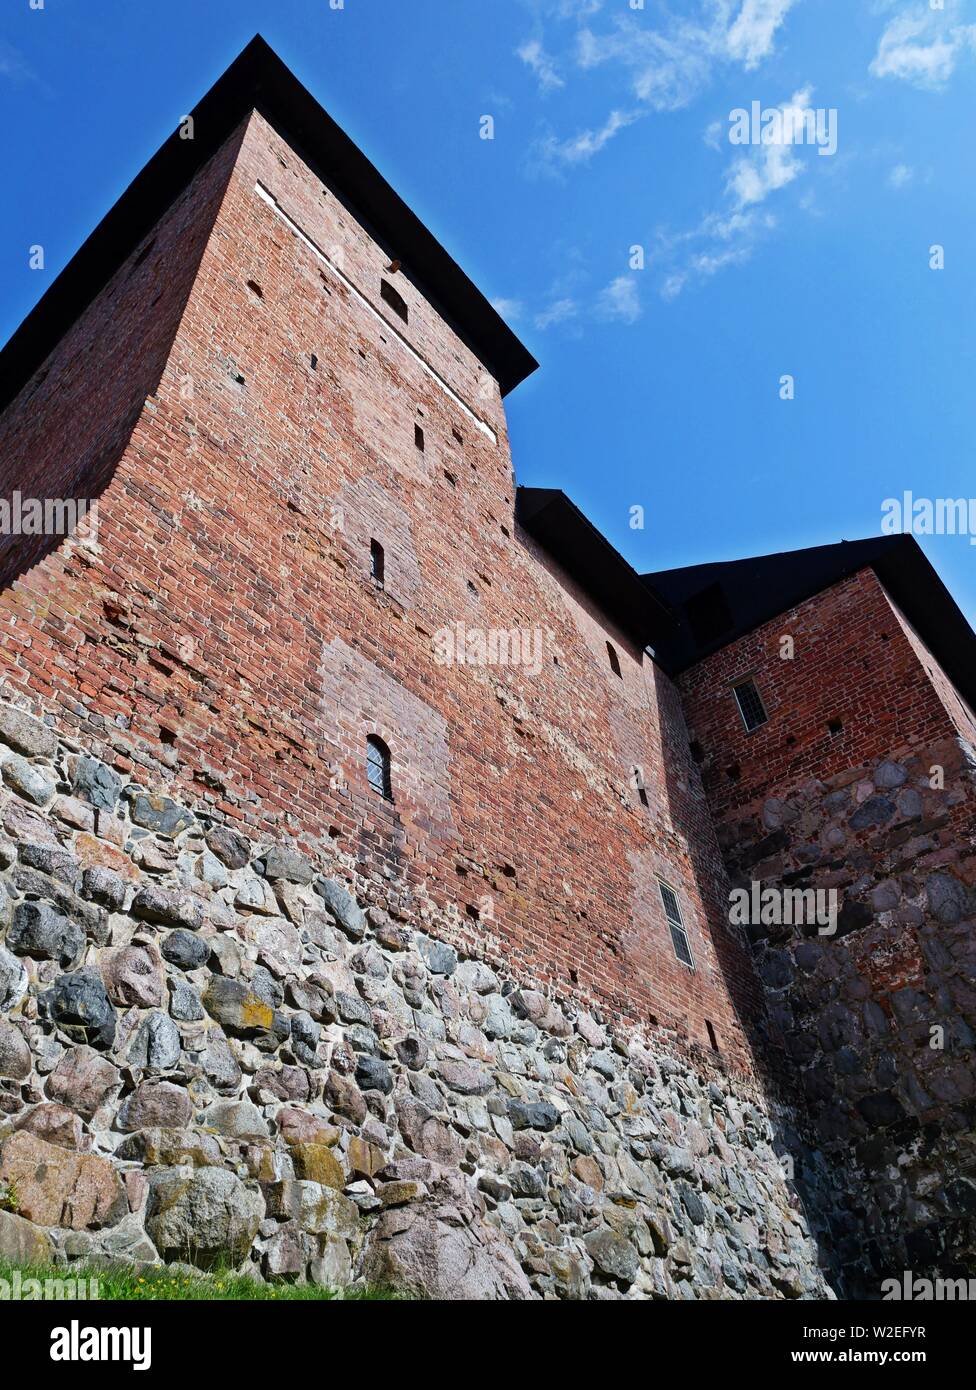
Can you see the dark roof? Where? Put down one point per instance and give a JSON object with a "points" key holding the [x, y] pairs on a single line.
{"points": [[685, 614], [717, 603], [258, 80], [564, 532]]}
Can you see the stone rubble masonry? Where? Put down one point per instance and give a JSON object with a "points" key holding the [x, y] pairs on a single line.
{"points": [[875, 1028], [352, 1098]]}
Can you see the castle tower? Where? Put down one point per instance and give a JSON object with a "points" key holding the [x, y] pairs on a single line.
{"points": [[265, 410], [347, 790]]}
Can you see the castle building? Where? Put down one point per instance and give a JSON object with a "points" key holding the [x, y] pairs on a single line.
{"points": [[370, 811]]}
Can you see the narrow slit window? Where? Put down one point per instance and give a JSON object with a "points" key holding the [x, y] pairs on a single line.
{"points": [[679, 937], [614, 660], [418, 437], [378, 767], [637, 777], [395, 300], [750, 704], [377, 564]]}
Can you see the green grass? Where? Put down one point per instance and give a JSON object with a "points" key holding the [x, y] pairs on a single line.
{"points": [[122, 1283]]}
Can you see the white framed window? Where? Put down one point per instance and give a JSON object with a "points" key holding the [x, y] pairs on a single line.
{"points": [[751, 707], [676, 926]]}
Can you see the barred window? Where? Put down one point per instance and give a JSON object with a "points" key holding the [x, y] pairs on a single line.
{"points": [[378, 767], [679, 937], [750, 704]]}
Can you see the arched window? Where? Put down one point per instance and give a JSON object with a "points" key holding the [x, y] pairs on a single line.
{"points": [[614, 660], [378, 767], [377, 564]]}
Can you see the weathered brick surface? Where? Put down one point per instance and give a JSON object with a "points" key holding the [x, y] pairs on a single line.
{"points": [[853, 662], [66, 431], [226, 639], [245, 408]]}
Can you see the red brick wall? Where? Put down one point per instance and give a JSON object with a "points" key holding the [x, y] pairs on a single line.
{"points": [[956, 707], [227, 638], [63, 434], [852, 661]]}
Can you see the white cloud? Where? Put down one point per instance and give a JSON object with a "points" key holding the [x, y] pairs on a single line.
{"points": [[667, 62], [922, 46], [729, 236], [769, 167], [558, 312], [550, 154], [535, 56], [668, 68], [901, 176], [723, 240], [620, 300], [672, 64], [510, 309], [754, 177], [702, 266], [750, 39]]}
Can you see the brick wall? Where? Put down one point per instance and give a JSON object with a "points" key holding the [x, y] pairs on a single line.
{"points": [[64, 433], [225, 637], [852, 662]]}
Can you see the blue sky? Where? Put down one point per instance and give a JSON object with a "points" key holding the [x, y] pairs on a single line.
{"points": [[658, 387]]}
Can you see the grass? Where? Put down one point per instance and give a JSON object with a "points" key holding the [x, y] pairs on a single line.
{"points": [[122, 1283]]}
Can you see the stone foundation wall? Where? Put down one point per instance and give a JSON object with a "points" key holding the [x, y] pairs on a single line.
{"points": [[876, 1025], [218, 1052]]}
